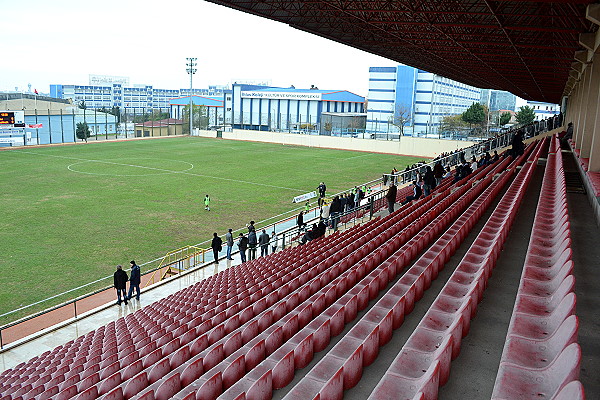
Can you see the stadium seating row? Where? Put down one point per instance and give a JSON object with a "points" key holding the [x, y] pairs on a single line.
{"points": [[541, 357]]}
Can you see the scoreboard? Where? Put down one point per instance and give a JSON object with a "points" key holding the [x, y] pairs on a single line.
{"points": [[12, 119]]}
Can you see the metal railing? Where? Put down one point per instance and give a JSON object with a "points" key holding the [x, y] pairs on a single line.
{"points": [[476, 150]]}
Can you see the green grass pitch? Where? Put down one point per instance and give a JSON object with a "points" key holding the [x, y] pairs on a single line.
{"points": [[71, 213]]}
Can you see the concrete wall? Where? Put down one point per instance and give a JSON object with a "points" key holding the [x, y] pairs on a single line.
{"points": [[419, 147]]}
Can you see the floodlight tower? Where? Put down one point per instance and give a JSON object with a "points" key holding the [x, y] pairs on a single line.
{"points": [[191, 70]]}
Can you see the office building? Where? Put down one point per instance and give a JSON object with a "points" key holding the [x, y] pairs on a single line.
{"points": [[424, 98]]}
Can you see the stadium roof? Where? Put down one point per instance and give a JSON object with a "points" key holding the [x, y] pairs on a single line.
{"points": [[526, 47]]}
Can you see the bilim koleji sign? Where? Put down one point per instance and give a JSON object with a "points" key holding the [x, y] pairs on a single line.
{"points": [[259, 94]]}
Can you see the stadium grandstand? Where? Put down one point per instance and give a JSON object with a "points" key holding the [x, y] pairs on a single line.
{"points": [[485, 289]]}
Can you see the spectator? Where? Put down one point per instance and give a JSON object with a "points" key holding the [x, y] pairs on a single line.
{"points": [[229, 240], [356, 197], [349, 201], [322, 190], [428, 181], [134, 280], [334, 211], [252, 242], [438, 173], [309, 235], [207, 203], [322, 228], [391, 197], [300, 221], [343, 203], [274, 242], [458, 173], [518, 147], [568, 135], [417, 192], [496, 157], [474, 164], [325, 212], [216, 246], [243, 245], [120, 282], [263, 242], [448, 173]]}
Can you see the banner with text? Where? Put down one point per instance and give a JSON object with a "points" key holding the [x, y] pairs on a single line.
{"points": [[258, 94], [304, 197]]}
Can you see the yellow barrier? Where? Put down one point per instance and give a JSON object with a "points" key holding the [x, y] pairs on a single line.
{"points": [[178, 260]]}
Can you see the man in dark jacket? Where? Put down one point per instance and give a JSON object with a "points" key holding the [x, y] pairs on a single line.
{"points": [[120, 282], [229, 239], [334, 211], [243, 245], [300, 221], [263, 242], [252, 242], [417, 192], [391, 197], [216, 246], [134, 280], [322, 189]]}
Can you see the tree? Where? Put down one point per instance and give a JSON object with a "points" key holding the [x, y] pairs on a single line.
{"points": [[505, 118], [402, 117], [525, 115], [474, 114], [200, 118], [83, 131], [452, 124]]}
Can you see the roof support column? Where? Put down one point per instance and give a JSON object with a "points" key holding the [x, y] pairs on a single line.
{"points": [[586, 115], [594, 116], [591, 145], [576, 111]]}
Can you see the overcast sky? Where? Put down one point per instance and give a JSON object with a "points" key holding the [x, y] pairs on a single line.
{"points": [[63, 41]]}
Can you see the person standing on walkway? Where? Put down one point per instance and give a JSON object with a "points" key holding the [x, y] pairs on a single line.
{"points": [[207, 203], [243, 245], [252, 242], [263, 242], [274, 243], [322, 190], [391, 197], [334, 211], [120, 282], [216, 246], [300, 221], [229, 240], [134, 280]]}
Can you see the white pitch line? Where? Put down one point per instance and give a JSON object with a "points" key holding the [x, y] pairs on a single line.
{"points": [[362, 155], [164, 170]]}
